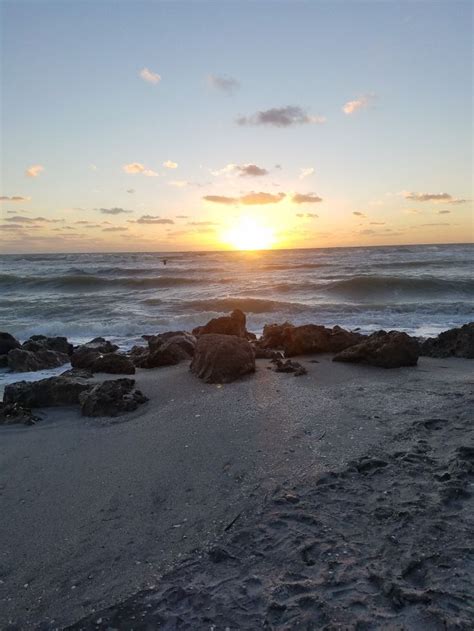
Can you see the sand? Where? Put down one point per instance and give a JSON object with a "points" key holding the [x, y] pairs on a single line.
{"points": [[333, 500]]}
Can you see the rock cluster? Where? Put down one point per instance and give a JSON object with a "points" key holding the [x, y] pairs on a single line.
{"points": [[37, 353], [386, 350], [15, 413], [100, 355], [457, 342], [307, 339], [111, 398], [165, 349]]}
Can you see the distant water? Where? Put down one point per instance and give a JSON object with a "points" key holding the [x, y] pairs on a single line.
{"points": [[419, 289]]}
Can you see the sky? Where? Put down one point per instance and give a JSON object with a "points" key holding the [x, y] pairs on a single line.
{"points": [[161, 126]]}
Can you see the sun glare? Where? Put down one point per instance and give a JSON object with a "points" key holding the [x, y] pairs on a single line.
{"points": [[249, 234]]}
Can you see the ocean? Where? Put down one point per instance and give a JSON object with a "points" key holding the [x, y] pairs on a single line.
{"points": [[419, 289]]}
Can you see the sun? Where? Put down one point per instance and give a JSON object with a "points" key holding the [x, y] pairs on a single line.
{"points": [[249, 234]]}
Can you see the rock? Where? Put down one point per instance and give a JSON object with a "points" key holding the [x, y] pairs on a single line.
{"points": [[290, 366], [3, 361], [102, 345], [20, 360], [50, 392], [40, 342], [222, 358], [113, 363], [78, 373], [387, 350], [457, 342], [11, 413], [234, 324], [184, 340], [306, 339], [111, 398], [166, 349], [7, 343], [265, 353]]}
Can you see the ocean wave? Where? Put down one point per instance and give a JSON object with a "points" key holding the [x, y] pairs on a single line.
{"points": [[366, 287], [248, 305], [77, 282]]}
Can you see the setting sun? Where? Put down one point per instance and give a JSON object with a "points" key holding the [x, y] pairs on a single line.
{"points": [[249, 234]]}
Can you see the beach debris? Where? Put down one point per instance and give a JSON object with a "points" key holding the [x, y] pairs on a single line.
{"points": [[290, 366], [111, 398], [458, 342], [15, 413], [20, 360], [233, 324], [307, 338], [49, 392], [386, 350], [222, 358], [7, 343]]}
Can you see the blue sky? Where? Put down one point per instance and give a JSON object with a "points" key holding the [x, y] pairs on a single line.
{"points": [[74, 103]]}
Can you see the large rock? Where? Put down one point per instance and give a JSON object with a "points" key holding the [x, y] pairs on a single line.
{"points": [[20, 360], [166, 349], [387, 350], [234, 324], [84, 355], [307, 339], [50, 392], [453, 343], [7, 343], [11, 413], [41, 342], [222, 358], [183, 339], [111, 398], [113, 363]]}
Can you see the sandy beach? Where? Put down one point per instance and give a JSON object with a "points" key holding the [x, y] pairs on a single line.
{"points": [[261, 473]]}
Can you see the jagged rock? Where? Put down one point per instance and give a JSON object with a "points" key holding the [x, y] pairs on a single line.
{"points": [[50, 392], [457, 342], [222, 358], [184, 340], [41, 342], [387, 350], [165, 349], [274, 335], [7, 343], [265, 353], [3, 361], [306, 339], [78, 373], [111, 398], [112, 363], [11, 413], [84, 355], [290, 366], [20, 360], [234, 324]]}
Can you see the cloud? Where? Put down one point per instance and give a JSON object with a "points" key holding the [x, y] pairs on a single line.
{"points": [[130, 190], [202, 223], [377, 223], [169, 164], [308, 215], [358, 104], [149, 76], [358, 214], [281, 117], [458, 201], [182, 216], [34, 170], [15, 198], [430, 197], [306, 172], [29, 220], [305, 198], [250, 199], [152, 219], [136, 167], [429, 225], [114, 211], [223, 83], [251, 170], [444, 212], [115, 229]]}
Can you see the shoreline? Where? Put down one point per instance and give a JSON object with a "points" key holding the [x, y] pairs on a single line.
{"points": [[89, 500]]}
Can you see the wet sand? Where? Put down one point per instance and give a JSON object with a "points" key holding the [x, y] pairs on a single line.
{"points": [[323, 500]]}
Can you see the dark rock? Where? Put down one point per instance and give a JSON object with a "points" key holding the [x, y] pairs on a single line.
{"points": [[457, 342], [7, 343], [113, 363], [387, 350], [234, 324], [102, 345], [50, 392], [11, 413], [77, 373], [3, 361], [40, 342], [20, 360], [306, 339], [265, 353], [111, 398], [222, 358], [290, 366], [165, 349], [184, 340]]}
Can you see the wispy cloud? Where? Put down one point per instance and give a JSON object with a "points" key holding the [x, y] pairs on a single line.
{"points": [[431, 197], [15, 198], [182, 216], [169, 164], [444, 212], [152, 219], [308, 215], [115, 229], [306, 172], [223, 83], [306, 198], [357, 213], [250, 199], [130, 190], [136, 167], [281, 117], [149, 76], [202, 223], [357, 104], [243, 170], [34, 170], [114, 211], [29, 220], [179, 183]]}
